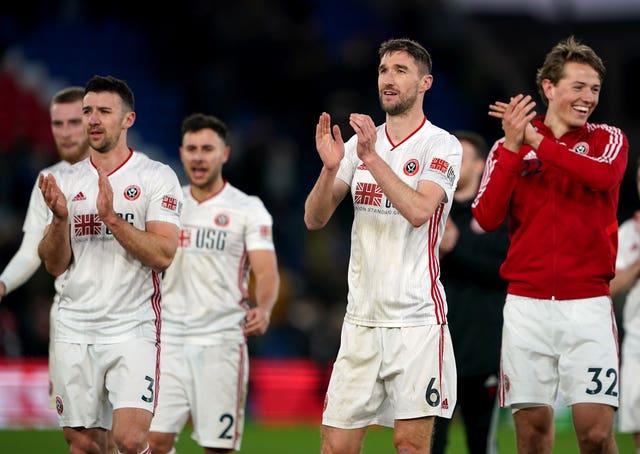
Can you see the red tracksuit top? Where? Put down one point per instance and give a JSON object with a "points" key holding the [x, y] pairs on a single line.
{"points": [[561, 202]]}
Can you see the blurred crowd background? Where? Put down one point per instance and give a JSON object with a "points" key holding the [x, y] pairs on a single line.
{"points": [[269, 68]]}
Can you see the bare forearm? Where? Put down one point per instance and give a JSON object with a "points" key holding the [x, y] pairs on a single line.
{"points": [[267, 289], [266, 276], [151, 249], [412, 205], [55, 247], [624, 279], [320, 203]]}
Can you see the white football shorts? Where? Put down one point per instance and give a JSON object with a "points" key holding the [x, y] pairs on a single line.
{"points": [[551, 346], [210, 383], [384, 374], [93, 380]]}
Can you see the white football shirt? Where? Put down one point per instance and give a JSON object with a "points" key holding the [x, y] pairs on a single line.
{"points": [[394, 269], [108, 295], [206, 286], [629, 252]]}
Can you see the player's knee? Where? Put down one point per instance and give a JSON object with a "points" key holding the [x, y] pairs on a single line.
{"points": [[131, 442], [534, 439], [84, 441], [594, 439], [161, 443], [404, 446]]}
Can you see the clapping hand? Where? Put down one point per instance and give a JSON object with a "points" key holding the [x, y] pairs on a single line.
{"points": [[330, 146]]}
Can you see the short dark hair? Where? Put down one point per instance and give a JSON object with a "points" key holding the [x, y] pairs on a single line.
{"points": [[568, 50], [413, 48], [198, 121], [68, 95], [111, 84], [476, 141]]}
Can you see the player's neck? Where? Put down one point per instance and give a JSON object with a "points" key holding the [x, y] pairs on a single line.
{"points": [[399, 127], [202, 193], [556, 124], [112, 159]]}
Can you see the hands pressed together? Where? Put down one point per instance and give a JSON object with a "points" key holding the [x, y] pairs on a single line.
{"points": [[57, 202], [53, 196], [365, 129], [516, 116], [330, 144], [104, 202]]}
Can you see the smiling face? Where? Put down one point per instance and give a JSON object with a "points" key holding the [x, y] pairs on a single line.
{"points": [[203, 154], [573, 98], [400, 84]]}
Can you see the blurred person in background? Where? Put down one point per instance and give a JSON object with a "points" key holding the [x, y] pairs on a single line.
{"points": [[395, 366], [470, 263], [73, 146], [626, 284], [226, 236], [72, 143], [556, 179], [113, 229]]}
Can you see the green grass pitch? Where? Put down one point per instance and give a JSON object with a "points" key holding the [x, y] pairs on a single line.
{"points": [[298, 439]]}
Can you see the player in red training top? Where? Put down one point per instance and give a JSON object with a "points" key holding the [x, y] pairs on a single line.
{"points": [[556, 178]]}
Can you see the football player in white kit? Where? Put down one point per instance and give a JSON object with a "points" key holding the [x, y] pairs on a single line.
{"points": [[225, 236], [114, 227], [72, 144], [395, 366], [627, 283]]}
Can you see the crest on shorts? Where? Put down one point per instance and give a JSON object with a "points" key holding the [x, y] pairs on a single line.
{"points": [[506, 384], [59, 405]]}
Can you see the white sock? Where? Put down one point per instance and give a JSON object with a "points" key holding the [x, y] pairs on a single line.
{"points": [[146, 450]]}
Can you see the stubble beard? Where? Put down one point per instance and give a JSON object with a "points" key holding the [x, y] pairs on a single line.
{"points": [[103, 146], [402, 106]]}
